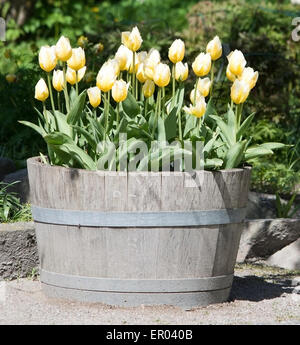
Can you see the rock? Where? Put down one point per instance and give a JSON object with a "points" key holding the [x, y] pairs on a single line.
{"points": [[295, 281], [7, 166], [288, 257], [262, 238], [18, 250], [21, 188], [261, 206]]}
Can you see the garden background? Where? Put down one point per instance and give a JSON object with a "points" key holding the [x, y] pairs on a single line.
{"points": [[261, 29]]}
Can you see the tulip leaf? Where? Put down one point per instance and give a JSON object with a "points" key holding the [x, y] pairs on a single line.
{"points": [[257, 151], [213, 163], [244, 126], [226, 131], [38, 129], [130, 106], [234, 155], [272, 145], [161, 130], [76, 110], [62, 124], [190, 124]]}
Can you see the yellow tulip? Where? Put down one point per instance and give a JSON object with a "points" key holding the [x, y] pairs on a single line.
{"points": [[115, 65], [124, 57], [94, 95], [142, 56], [239, 91], [197, 110], [162, 75], [41, 90], [47, 58], [77, 60], [181, 71], [71, 75], [152, 60], [198, 96], [148, 88], [63, 49], [132, 40], [140, 74], [202, 64], [176, 51], [204, 86], [58, 80], [106, 77], [214, 48], [249, 76], [119, 90], [230, 75], [136, 64], [236, 62], [11, 78]]}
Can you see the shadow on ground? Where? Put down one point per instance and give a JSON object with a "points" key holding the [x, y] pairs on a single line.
{"points": [[255, 289]]}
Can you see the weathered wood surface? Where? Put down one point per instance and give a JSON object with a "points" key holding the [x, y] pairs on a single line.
{"points": [[136, 252]]}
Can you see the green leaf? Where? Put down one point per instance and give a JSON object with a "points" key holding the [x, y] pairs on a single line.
{"points": [[257, 151], [38, 129], [273, 145], [190, 124], [130, 106], [62, 124], [77, 108], [244, 126], [235, 155], [228, 132], [161, 130], [213, 163], [88, 136]]}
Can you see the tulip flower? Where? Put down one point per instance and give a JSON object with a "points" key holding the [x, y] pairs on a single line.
{"points": [[58, 80], [77, 60], [106, 77], [124, 57], [132, 40], [119, 90], [198, 109], [11, 78], [41, 90], [142, 56], [162, 75], [71, 75], [148, 88], [115, 65], [63, 49], [195, 97], [140, 74], [94, 95], [236, 62], [176, 51], [204, 86], [230, 75], [181, 71], [239, 91], [152, 60], [202, 64], [47, 58], [249, 76], [214, 48]]}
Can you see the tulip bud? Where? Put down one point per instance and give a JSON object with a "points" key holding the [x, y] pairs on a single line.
{"points": [[249, 76], [106, 77], [47, 58], [152, 60], [197, 110], [236, 62], [82, 41], [176, 51], [71, 75], [119, 90], [202, 64], [41, 90], [124, 57], [63, 49], [94, 95], [58, 80], [239, 91], [132, 40], [230, 75], [181, 71], [148, 88], [214, 48], [11, 78], [204, 86], [77, 60], [162, 75], [140, 74]]}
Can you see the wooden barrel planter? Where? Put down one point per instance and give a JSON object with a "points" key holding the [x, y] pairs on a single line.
{"points": [[135, 238]]}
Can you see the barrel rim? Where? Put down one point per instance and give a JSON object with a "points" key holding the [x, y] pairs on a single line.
{"points": [[37, 161]]}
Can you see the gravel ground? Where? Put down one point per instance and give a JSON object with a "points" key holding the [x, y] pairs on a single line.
{"points": [[260, 295]]}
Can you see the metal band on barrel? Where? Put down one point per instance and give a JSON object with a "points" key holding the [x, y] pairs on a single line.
{"points": [[135, 285], [137, 219]]}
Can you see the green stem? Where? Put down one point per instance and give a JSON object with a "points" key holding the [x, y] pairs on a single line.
{"points": [[199, 125], [133, 74], [146, 107], [76, 73], [50, 90], [196, 87], [58, 101], [46, 116], [65, 88], [107, 103], [163, 101], [173, 80], [212, 75], [118, 114], [157, 111]]}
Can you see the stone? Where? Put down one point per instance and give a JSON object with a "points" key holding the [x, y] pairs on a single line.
{"points": [[262, 238], [261, 206], [21, 188], [18, 250], [288, 257], [295, 281], [7, 166]]}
